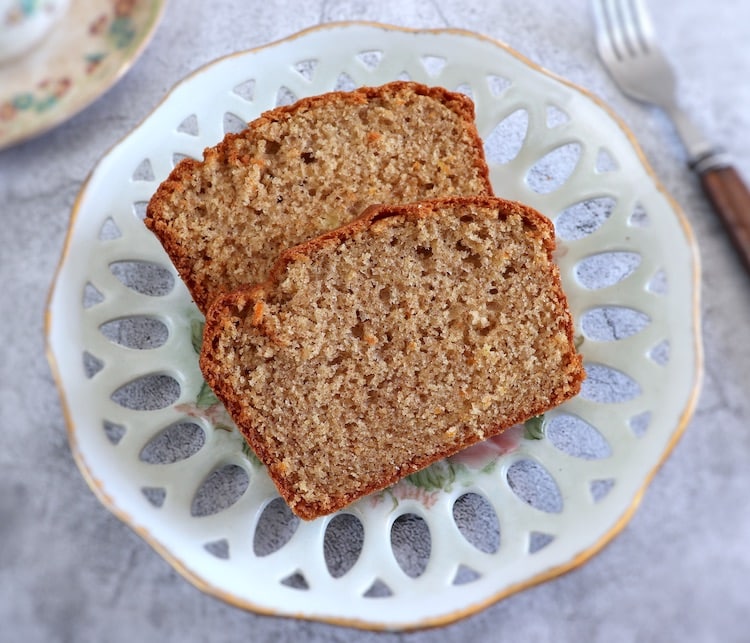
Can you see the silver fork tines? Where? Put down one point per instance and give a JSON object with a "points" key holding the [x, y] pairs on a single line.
{"points": [[627, 44], [633, 38], [628, 47]]}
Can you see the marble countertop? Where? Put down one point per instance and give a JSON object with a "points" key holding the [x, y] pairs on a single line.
{"points": [[680, 570]]}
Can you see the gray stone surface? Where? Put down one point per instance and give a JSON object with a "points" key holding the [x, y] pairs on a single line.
{"points": [[680, 570]]}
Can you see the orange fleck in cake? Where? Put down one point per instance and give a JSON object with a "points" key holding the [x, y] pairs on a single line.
{"points": [[303, 169], [380, 347]]}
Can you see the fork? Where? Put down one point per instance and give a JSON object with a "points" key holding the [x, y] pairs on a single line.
{"points": [[628, 47]]}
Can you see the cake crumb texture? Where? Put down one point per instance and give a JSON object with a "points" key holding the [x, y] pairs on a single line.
{"points": [[392, 342], [303, 169]]}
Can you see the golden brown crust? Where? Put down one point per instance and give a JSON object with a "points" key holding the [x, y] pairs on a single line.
{"points": [[224, 324], [410, 211], [178, 202]]}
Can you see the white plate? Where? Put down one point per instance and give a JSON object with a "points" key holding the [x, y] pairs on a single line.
{"points": [[88, 50], [424, 552]]}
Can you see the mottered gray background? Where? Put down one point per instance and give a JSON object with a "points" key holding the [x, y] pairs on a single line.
{"points": [[680, 570]]}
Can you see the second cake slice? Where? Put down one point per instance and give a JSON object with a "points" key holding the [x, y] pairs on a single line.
{"points": [[306, 168], [392, 342]]}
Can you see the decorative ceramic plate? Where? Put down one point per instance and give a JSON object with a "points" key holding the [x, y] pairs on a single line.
{"points": [[161, 453], [91, 47]]}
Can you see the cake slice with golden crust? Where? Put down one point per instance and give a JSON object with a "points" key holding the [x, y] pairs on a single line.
{"points": [[392, 342], [303, 169]]}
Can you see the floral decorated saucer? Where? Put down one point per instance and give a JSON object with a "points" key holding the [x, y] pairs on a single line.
{"points": [[87, 51]]}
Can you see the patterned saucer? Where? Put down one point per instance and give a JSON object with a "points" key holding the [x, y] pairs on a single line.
{"points": [[93, 45]]}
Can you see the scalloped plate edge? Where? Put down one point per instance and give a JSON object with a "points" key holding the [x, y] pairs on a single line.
{"points": [[553, 572]]}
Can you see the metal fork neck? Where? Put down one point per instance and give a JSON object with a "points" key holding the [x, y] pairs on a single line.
{"points": [[702, 154]]}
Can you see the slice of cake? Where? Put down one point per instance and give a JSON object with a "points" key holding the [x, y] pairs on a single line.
{"points": [[392, 342], [301, 170]]}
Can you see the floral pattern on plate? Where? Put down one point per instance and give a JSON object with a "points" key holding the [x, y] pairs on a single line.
{"points": [[84, 55]]}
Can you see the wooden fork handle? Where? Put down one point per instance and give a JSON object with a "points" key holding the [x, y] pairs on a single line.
{"points": [[731, 199]]}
